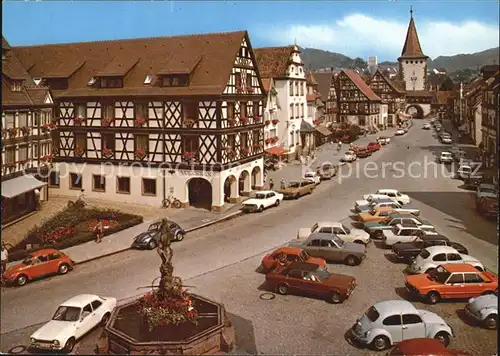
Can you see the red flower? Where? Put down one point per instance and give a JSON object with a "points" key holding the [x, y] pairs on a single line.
{"points": [[139, 121], [107, 121], [140, 153], [275, 122]]}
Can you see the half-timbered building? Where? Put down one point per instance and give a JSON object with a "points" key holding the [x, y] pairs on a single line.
{"points": [[26, 143], [393, 98], [285, 67], [141, 120], [490, 124], [357, 103]]}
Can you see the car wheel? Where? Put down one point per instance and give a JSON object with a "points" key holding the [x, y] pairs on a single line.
{"points": [[359, 242], [297, 196], [351, 260], [433, 297], [105, 319], [63, 268], [21, 280], [261, 209], [443, 338], [380, 343], [335, 298], [70, 344], [479, 269], [152, 244], [282, 289], [179, 236], [491, 322], [277, 203]]}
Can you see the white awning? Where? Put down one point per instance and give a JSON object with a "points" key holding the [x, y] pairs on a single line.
{"points": [[19, 185]]}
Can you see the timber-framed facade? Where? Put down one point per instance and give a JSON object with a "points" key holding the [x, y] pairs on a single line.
{"points": [[393, 98], [141, 129]]}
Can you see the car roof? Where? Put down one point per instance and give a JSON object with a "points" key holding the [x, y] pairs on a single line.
{"points": [[45, 251], [264, 192], [321, 236], [441, 249], [80, 300], [387, 190], [384, 208], [288, 249], [421, 346], [446, 153], [328, 223], [304, 266], [390, 307], [434, 237], [458, 267]]}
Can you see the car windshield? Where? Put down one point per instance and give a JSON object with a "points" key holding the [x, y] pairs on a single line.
{"points": [[304, 256], [319, 274], [347, 231], [439, 274], [424, 254], [338, 241], [372, 314], [67, 314], [294, 185], [28, 260], [314, 227], [260, 196]]}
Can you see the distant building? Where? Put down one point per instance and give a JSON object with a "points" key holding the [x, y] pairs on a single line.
{"points": [[372, 64]]}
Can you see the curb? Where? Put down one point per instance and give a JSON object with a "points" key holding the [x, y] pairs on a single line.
{"points": [[213, 222]]}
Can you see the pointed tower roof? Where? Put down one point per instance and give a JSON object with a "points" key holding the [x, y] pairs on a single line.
{"points": [[412, 48]]}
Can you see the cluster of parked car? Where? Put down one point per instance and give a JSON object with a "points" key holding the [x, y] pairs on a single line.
{"points": [[356, 152]]}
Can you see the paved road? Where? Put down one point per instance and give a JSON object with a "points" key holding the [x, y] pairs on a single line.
{"points": [[220, 261]]}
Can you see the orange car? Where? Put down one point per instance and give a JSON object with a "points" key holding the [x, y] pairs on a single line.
{"points": [[38, 264], [452, 281], [424, 347], [286, 255], [376, 215]]}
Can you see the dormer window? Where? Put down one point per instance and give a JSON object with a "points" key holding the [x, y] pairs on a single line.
{"points": [[112, 82], [148, 79], [17, 85], [177, 80]]}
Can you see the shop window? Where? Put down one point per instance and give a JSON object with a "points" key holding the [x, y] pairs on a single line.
{"points": [[75, 181], [149, 186], [123, 185]]}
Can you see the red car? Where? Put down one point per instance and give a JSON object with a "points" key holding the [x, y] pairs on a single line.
{"points": [[424, 347], [373, 146], [286, 255], [38, 264], [363, 152]]}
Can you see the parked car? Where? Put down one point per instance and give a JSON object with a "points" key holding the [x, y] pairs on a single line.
{"points": [[392, 204], [286, 255], [375, 215], [296, 189], [424, 347], [389, 322], [375, 228], [326, 171], [375, 203], [426, 126], [332, 248], [400, 234], [149, 239], [433, 256], [410, 250], [487, 206], [463, 172], [309, 278], [446, 158], [335, 228], [262, 200], [349, 156], [38, 264], [486, 190], [383, 140], [447, 140], [393, 194], [484, 309], [363, 152], [399, 132], [364, 204], [373, 146], [313, 176], [73, 319], [473, 181], [451, 281]]}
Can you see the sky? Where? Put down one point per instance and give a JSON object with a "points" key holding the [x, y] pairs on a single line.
{"points": [[354, 28]]}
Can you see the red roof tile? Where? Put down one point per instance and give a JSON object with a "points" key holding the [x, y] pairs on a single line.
{"points": [[324, 80], [412, 46], [359, 82], [273, 61], [266, 83]]}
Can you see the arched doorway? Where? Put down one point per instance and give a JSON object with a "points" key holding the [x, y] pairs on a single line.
{"points": [[415, 111], [244, 183], [257, 177], [200, 193], [230, 190]]}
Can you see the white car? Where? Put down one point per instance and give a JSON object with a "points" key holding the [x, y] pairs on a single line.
{"points": [[338, 229], [383, 140], [73, 319], [262, 200], [399, 132], [392, 194], [313, 176], [446, 157], [389, 204], [486, 190], [431, 257], [426, 126], [349, 156], [370, 198], [447, 140], [400, 234]]}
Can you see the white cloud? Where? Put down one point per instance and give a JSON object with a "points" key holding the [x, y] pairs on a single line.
{"points": [[358, 34]]}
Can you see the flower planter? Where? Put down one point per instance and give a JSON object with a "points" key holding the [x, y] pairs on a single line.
{"points": [[107, 121], [107, 153], [188, 156], [250, 90], [25, 130], [240, 90], [79, 120], [275, 122], [140, 121], [140, 154], [12, 132], [244, 120], [231, 122], [188, 123], [79, 151], [257, 120], [231, 154], [267, 122]]}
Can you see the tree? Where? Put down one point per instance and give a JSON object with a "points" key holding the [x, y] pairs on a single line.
{"points": [[359, 63]]}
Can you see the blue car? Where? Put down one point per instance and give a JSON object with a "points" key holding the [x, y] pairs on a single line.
{"points": [[149, 239]]}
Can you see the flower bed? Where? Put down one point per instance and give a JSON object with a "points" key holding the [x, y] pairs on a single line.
{"points": [[72, 227]]}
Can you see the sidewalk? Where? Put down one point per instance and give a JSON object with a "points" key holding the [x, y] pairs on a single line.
{"points": [[191, 219]]}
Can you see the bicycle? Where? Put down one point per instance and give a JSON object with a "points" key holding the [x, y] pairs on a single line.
{"points": [[171, 201]]}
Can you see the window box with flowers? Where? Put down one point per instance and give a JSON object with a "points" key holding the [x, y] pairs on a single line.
{"points": [[231, 153], [188, 122], [107, 121], [10, 165], [275, 139], [47, 158], [267, 122], [257, 146], [269, 140], [317, 122], [48, 127], [240, 89], [107, 152], [250, 89], [25, 130], [245, 151], [24, 161], [12, 132], [140, 153], [257, 119], [244, 120], [79, 151], [275, 121], [79, 119], [140, 121], [231, 122], [188, 156]]}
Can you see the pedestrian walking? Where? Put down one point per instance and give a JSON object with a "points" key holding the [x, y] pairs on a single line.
{"points": [[271, 184], [99, 230], [283, 185], [5, 258]]}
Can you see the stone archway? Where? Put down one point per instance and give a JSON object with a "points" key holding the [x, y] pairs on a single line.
{"points": [[231, 190], [415, 111], [200, 193], [244, 184], [257, 178]]}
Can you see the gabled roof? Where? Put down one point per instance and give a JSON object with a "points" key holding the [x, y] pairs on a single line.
{"points": [[5, 44], [310, 79], [273, 61], [437, 79], [211, 55], [361, 85], [412, 46], [324, 80], [387, 80], [119, 66]]}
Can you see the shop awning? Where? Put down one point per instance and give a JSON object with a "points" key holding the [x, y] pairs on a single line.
{"points": [[323, 130], [276, 151], [19, 185]]}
